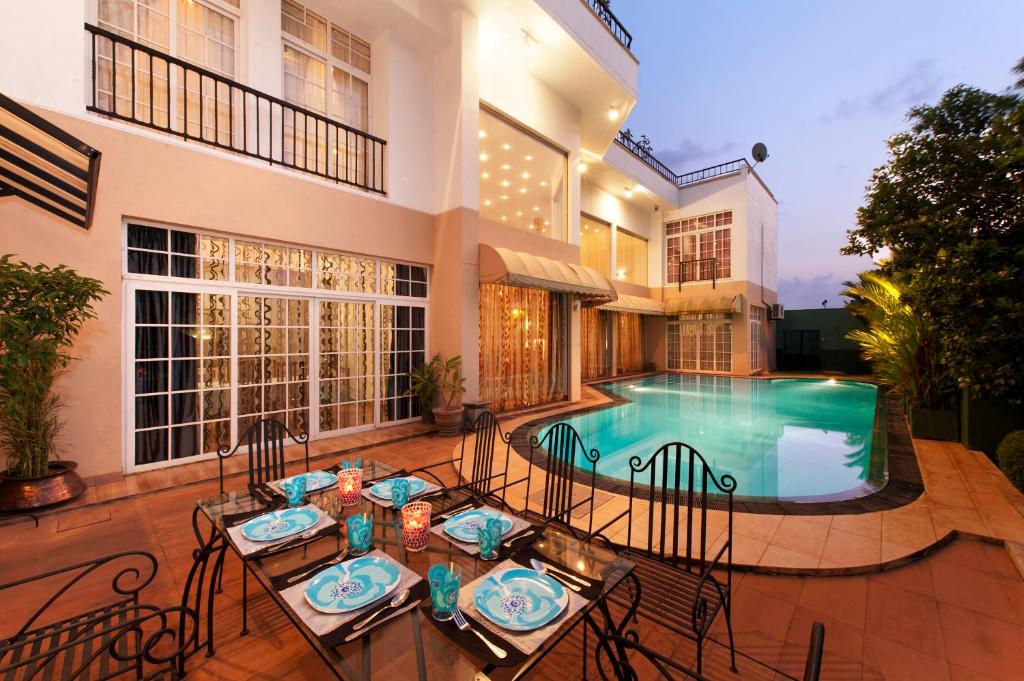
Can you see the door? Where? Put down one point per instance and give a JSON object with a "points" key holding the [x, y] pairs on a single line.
{"points": [[801, 350]]}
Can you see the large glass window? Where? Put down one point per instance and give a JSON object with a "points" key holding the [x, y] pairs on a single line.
{"points": [[596, 245], [702, 244], [522, 179], [629, 331], [700, 342], [630, 258], [595, 342], [210, 355], [757, 350]]}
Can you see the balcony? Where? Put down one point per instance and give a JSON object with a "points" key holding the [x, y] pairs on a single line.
{"points": [[711, 172], [131, 82], [605, 14]]}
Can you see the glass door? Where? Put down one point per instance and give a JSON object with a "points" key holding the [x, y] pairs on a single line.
{"points": [[348, 375]]}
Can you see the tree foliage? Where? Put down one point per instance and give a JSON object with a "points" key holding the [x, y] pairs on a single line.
{"points": [[948, 206]]}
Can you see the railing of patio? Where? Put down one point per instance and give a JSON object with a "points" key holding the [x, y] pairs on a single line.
{"points": [[141, 85], [604, 13], [646, 156], [712, 171], [698, 269]]}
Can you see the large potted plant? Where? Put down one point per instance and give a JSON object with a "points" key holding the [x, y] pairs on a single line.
{"points": [[42, 309], [452, 386], [423, 384]]}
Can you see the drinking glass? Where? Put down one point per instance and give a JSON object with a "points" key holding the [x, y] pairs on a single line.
{"points": [[294, 490], [445, 579], [399, 492], [489, 536], [360, 532]]}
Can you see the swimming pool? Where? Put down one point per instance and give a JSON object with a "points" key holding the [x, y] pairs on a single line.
{"points": [[788, 439]]}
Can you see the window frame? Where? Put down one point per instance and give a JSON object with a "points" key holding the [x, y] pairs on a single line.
{"points": [[611, 229], [647, 245], [699, 247]]}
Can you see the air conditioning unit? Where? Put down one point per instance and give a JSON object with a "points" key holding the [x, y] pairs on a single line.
{"points": [[776, 311]]}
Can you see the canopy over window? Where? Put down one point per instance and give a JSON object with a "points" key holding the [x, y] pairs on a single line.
{"points": [[44, 165], [515, 268], [627, 303], [725, 304]]}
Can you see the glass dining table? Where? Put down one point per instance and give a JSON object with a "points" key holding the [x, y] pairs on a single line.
{"points": [[404, 644]]}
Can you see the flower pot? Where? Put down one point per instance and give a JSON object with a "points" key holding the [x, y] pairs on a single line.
{"points": [[62, 483], [427, 416], [935, 424], [449, 421]]}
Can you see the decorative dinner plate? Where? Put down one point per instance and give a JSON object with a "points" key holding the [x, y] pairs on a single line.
{"points": [[280, 524], [383, 489], [316, 480], [520, 599], [464, 525], [352, 584]]}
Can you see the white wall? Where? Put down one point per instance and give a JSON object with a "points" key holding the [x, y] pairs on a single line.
{"points": [[762, 218], [43, 49], [712, 196]]}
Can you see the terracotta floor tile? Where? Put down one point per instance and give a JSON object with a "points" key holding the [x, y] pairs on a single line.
{"points": [[848, 549], [785, 588], [866, 525], [981, 643], [756, 526], [776, 556], [803, 534], [904, 617], [978, 591], [844, 646], [895, 662], [843, 598], [916, 577]]}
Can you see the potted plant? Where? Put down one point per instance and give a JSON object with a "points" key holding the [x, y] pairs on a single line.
{"points": [[42, 309], [423, 383], [452, 386]]}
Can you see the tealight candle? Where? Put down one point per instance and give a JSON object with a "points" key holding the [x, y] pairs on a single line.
{"points": [[350, 484], [416, 525]]}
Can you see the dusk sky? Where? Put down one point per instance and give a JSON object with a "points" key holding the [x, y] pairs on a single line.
{"points": [[822, 84]]}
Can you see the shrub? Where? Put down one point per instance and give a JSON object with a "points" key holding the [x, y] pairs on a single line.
{"points": [[1010, 454]]}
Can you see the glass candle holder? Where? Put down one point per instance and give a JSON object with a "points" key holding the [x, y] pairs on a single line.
{"points": [[416, 525], [350, 485]]}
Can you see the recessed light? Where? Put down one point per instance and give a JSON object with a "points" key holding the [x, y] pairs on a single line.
{"points": [[536, 208], [613, 114], [522, 190], [582, 167], [483, 156], [485, 174], [504, 218], [506, 146], [529, 158], [504, 183], [483, 134], [543, 183], [504, 197], [519, 213], [547, 222], [487, 202], [505, 166], [525, 176]]}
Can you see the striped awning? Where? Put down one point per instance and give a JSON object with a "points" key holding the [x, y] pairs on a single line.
{"points": [[46, 166], [708, 304], [515, 268], [627, 303]]}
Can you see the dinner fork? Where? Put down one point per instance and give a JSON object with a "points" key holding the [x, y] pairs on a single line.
{"points": [[463, 625]]}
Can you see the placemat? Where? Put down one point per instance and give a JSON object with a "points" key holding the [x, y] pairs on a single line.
{"points": [[386, 503], [470, 642], [275, 486], [526, 642], [333, 629], [518, 525], [247, 548], [525, 553]]}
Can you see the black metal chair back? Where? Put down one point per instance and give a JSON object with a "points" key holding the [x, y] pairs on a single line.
{"points": [[265, 443], [483, 475], [677, 478], [564, 449]]}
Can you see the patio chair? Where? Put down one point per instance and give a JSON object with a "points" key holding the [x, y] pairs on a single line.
{"points": [[683, 582], [485, 479], [264, 442], [115, 634]]}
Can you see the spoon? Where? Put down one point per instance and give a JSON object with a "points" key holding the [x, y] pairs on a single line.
{"points": [[395, 602]]}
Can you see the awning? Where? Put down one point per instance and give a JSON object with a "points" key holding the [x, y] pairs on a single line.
{"points": [[711, 304], [515, 268], [46, 166], [627, 303]]}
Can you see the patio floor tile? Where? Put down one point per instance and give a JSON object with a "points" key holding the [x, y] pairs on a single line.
{"points": [[896, 662], [906, 618], [981, 643]]}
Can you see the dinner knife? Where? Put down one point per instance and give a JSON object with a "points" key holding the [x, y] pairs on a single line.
{"points": [[363, 632]]}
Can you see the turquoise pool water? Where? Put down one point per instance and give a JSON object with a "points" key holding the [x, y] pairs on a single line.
{"points": [[780, 438]]}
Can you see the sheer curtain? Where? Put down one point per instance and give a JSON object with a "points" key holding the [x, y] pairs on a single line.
{"points": [[594, 327], [522, 346], [631, 341]]}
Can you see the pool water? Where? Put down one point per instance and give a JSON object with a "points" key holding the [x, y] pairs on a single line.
{"points": [[792, 439]]}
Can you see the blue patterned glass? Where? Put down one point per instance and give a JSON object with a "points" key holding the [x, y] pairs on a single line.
{"points": [[445, 579], [360, 533], [294, 489], [400, 492], [489, 535]]}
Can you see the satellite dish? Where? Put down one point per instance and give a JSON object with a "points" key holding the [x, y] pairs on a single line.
{"points": [[759, 152]]}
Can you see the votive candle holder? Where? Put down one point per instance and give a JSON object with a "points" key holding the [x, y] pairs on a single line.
{"points": [[416, 525], [350, 486]]}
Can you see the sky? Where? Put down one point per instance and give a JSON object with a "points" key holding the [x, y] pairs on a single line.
{"points": [[823, 84]]}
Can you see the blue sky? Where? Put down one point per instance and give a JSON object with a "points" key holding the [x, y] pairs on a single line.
{"points": [[823, 84]]}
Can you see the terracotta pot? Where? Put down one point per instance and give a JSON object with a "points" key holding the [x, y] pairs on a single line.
{"points": [[62, 483], [449, 421]]}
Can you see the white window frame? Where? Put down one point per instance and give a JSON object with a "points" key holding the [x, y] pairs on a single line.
{"points": [[756, 338], [132, 282], [696, 234], [705, 320]]}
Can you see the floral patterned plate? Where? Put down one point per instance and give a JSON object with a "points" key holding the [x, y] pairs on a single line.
{"points": [[464, 525], [352, 584], [382, 489], [280, 524], [520, 599]]}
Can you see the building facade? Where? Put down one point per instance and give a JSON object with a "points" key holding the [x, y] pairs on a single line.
{"points": [[298, 202]]}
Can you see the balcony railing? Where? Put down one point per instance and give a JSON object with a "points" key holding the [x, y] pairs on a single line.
{"points": [[679, 180], [699, 269], [604, 13], [712, 171], [141, 85]]}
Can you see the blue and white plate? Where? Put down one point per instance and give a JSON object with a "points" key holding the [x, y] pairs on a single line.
{"points": [[316, 480], [352, 584], [520, 599], [464, 525], [280, 524], [382, 489]]}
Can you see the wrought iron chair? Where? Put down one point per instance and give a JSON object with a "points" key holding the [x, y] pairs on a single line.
{"points": [[264, 442], [622, 669], [682, 587], [562, 452], [484, 481], [117, 634]]}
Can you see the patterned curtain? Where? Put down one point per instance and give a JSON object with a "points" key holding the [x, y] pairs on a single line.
{"points": [[630, 330], [522, 346], [594, 343]]}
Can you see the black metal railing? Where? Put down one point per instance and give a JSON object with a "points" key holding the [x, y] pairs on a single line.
{"points": [[712, 171], [605, 14], [698, 269], [646, 156], [141, 85]]}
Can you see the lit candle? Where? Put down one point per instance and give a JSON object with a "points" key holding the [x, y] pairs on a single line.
{"points": [[350, 483], [416, 525]]}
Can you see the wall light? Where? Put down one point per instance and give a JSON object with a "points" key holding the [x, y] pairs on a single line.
{"points": [[613, 114], [582, 167], [483, 134], [484, 156]]}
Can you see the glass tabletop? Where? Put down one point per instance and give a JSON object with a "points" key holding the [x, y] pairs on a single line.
{"points": [[408, 646]]}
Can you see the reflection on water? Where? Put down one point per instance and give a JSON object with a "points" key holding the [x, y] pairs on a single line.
{"points": [[786, 438]]}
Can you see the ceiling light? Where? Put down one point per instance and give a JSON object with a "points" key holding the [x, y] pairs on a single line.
{"points": [[547, 222], [483, 156], [506, 146], [504, 218], [505, 166], [525, 176], [485, 174], [582, 167], [519, 213], [613, 114], [487, 202], [543, 183], [529, 158], [536, 208], [504, 183], [629, 193], [483, 134], [522, 190], [504, 197]]}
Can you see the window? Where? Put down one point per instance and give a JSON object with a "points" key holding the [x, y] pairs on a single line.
{"points": [[596, 245], [703, 244], [522, 179], [225, 331], [757, 319], [630, 258], [700, 342]]}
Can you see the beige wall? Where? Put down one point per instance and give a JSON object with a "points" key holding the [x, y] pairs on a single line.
{"points": [[159, 178]]}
